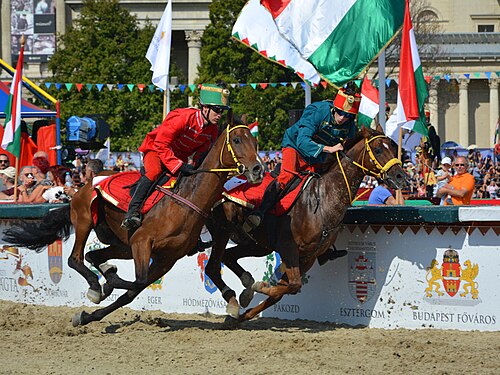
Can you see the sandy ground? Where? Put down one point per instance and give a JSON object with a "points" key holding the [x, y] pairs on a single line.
{"points": [[41, 340]]}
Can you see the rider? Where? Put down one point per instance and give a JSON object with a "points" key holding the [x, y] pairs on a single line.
{"points": [[184, 132], [320, 130]]}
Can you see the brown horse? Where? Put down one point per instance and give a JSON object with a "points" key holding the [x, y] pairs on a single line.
{"points": [[306, 231], [169, 231]]}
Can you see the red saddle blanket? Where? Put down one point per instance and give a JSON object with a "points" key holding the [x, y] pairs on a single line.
{"points": [[250, 196], [116, 190]]}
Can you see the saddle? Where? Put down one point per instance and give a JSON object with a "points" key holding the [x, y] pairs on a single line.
{"points": [[250, 196], [116, 189]]}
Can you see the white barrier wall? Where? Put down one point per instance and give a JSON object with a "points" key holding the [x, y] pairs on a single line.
{"points": [[393, 277]]}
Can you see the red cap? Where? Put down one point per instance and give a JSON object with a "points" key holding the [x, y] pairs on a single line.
{"points": [[347, 103]]}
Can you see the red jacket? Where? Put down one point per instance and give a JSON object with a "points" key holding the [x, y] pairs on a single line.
{"points": [[180, 135]]}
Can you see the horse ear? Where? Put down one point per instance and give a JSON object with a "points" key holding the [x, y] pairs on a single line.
{"points": [[230, 117], [244, 119], [379, 128]]}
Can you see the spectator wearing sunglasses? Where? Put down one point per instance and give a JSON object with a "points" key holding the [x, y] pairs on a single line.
{"points": [[184, 132], [4, 161], [30, 190], [321, 130], [461, 186]]}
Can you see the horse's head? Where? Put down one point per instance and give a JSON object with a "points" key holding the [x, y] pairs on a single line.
{"points": [[240, 152], [377, 155]]}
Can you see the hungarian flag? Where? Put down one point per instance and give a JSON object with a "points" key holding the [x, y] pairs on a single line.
{"points": [[340, 38], [369, 106], [11, 140], [254, 128], [256, 29], [412, 90]]}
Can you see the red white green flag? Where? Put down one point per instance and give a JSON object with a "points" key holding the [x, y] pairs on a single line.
{"points": [[340, 38], [412, 90], [254, 128], [256, 29], [369, 106], [11, 140]]}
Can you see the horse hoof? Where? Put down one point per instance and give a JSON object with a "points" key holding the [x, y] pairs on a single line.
{"points": [[233, 309], [107, 268], [77, 319], [246, 297], [94, 296], [257, 287], [230, 322], [80, 319]]}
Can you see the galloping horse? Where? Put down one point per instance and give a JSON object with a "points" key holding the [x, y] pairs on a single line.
{"points": [[306, 231], [169, 231]]}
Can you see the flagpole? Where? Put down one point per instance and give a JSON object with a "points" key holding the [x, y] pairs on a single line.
{"points": [[381, 89], [15, 179], [399, 192]]}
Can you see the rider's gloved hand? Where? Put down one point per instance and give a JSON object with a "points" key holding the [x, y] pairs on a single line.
{"points": [[187, 169]]}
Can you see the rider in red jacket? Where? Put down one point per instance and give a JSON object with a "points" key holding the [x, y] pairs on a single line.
{"points": [[184, 132]]}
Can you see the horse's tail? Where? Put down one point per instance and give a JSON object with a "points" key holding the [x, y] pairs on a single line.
{"points": [[56, 224]]}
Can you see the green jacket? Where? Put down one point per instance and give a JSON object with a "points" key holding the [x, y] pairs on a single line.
{"points": [[315, 130]]}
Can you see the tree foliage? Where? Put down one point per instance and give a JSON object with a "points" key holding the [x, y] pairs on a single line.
{"points": [[223, 58], [106, 45]]}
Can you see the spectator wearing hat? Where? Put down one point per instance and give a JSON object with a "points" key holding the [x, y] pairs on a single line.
{"points": [[8, 176], [461, 186], [321, 130], [184, 132], [443, 176]]}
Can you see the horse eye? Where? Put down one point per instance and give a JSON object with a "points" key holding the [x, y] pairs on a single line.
{"points": [[377, 151], [236, 140]]}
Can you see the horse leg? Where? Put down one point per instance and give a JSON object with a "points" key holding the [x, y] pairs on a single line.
{"points": [[230, 259], [159, 267], [276, 293], [99, 260], [75, 261], [213, 271], [290, 283], [251, 313]]}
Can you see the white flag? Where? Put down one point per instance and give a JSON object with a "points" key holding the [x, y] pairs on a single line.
{"points": [[159, 50]]}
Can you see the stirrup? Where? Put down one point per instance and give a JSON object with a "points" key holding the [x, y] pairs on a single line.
{"points": [[131, 222], [252, 221]]}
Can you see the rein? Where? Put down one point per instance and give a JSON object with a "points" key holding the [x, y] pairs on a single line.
{"points": [[182, 200], [240, 168], [381, 168]]}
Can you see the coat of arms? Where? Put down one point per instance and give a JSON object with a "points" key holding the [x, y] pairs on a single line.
{"points": [[451, 276]]}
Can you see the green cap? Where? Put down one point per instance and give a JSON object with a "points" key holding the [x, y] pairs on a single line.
{"points": [[214, 95]]}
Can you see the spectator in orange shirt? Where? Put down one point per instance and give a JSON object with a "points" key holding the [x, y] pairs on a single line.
{"points": [[461, 186]]}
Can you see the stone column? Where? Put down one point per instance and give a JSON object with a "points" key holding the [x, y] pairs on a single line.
{"points": [[463, 119], [433, 103], [60, 16], [193, 38], [494, 112], [5, 32]]}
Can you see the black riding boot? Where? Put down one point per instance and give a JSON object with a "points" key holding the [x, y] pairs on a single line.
{"points": [[133, 218], [331, 254], [270, 199]]}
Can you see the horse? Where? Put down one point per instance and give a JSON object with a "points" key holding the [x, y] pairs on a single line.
{"points": [[169, 231], [305, 232]]}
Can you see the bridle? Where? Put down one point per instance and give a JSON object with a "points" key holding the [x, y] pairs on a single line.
{"points": [[382, 169], [240, 167]]}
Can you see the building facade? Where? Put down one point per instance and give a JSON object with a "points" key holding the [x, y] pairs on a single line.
{"points": [[464, 99]]}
